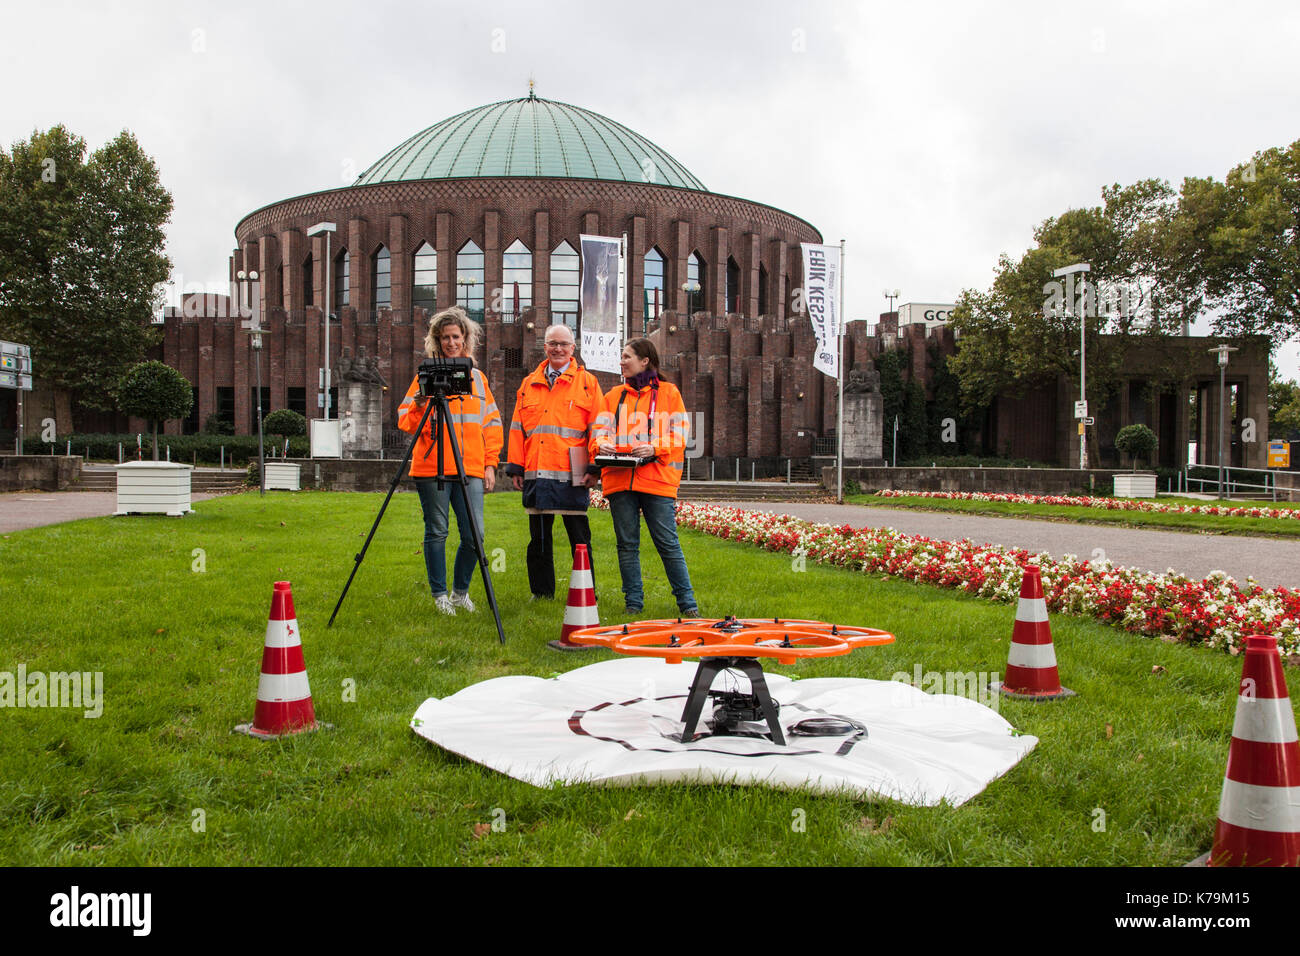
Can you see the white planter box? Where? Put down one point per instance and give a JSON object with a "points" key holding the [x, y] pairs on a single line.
{"points": [[1135, 486], [153, 487], [283, 476]]}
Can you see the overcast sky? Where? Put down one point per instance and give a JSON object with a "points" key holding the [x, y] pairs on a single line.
{"points": [[932, 137]]}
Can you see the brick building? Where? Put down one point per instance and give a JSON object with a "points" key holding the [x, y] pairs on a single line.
{"points": [[484, 210]]}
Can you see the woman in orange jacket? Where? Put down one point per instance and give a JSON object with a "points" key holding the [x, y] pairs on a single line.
{"points": [[452, 334], [645, 417]]}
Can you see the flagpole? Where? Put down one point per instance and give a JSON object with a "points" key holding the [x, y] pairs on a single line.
{"points": [[839, 415]]}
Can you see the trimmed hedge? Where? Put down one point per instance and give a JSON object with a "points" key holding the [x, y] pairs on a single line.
{"points": [[189, 449]]}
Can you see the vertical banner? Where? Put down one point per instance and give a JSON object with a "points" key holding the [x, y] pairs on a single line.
{"points": [[601, 274], [821, 294]]}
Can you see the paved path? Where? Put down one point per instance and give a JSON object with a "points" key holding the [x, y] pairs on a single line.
{"points": [[32, 509], [1273, 562]]}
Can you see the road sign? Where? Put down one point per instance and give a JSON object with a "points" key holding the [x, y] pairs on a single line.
{"points": [[1081, 428], [1080, 409], [15, 366], [1089, 421], [1279, 454]]}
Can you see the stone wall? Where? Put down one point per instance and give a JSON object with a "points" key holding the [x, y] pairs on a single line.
{"points": [[1022, 481], [40, 472]]}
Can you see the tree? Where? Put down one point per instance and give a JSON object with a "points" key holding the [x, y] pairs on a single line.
{"points": [[1283, 406], [157, 392], [1240, 239], [81, 260], [286, 423], [1137, 441], [1026, 327]]}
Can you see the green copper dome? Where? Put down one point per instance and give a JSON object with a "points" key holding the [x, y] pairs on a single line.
{"points": [[530, 137]]}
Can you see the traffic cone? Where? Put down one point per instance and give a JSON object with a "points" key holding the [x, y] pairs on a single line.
{"points": [[1259, 810], [580, 611], [1031, 665], [283, 697]]}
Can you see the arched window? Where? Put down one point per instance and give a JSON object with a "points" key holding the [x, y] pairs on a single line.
{"points": [[733, 286], [424, 284], [654, 284], [564, 285], [695, 273], [342, 285], [517, 281], [308, 288], [469, 280], [381, 282], [762, 290]]}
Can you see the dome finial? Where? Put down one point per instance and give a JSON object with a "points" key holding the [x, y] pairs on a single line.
{"points": [[531, 84]]}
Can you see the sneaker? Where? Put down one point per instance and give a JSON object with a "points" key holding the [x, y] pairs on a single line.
{"points": [[443, 603], [693, 612], [462, 600], [631, 610], [541, 597]]}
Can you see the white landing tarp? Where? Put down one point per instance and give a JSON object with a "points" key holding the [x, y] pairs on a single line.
{"points": [[614, 722]]}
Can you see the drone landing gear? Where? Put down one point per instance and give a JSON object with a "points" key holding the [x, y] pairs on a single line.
{"points": [[733, 706]]}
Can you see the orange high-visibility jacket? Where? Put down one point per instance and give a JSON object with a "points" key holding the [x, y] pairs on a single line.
{"points": [[478, 429], [546, 423], [631, 417]]}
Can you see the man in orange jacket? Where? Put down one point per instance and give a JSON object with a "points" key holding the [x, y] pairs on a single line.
{"points": [[554, 410]]}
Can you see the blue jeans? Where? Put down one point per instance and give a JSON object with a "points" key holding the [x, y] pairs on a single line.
{"points": [[625, 507], [434, 504]]}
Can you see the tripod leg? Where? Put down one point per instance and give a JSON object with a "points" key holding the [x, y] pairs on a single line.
{"points": [[397, 478], [473, 518]]}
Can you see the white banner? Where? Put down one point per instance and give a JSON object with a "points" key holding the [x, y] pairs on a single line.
{"points": [[821, 293], [602, 336]]}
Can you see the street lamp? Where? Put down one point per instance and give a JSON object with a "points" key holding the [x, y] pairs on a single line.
{"points": [[1081, 408], [468, 282], [255, 330], [690, 287], [316, 230], [1223, 351], [891, 296]]}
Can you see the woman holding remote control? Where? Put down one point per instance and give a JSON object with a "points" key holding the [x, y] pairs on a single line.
{"points": [[644, 418]]}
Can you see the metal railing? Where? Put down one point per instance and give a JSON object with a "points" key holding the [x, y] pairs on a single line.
{"points": [[1246, 479]]}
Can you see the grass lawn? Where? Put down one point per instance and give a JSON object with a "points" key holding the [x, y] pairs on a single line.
{"points": [[1127, 773], [1081, 514]]}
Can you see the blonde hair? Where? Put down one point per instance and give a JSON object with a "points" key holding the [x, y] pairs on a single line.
{"points": [[470, 329]]}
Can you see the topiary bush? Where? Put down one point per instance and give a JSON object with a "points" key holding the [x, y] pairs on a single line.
{"points": [[1137, 441]]}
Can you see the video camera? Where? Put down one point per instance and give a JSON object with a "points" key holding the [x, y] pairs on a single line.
{"points": [[446, 376]]}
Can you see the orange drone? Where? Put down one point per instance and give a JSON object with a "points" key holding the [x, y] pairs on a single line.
{"points": [[732, 643]]}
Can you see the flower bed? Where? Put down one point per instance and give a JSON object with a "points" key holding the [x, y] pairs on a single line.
{"points": [[1216, 611], [1106, 504]]}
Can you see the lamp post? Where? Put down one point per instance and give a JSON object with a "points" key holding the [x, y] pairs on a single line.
{"points": [[1222, 351], [690, 287], [1080, 409], [468, 282], [327, 228], [255, 330]]}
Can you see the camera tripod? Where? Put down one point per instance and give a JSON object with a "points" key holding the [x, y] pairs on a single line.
{"points": [[437, 402]]}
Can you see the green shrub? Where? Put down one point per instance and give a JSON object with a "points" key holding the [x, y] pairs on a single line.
{"points": [[189, 449], [1136, 441]]}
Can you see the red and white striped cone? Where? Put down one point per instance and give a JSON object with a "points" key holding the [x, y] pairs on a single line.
{"points": [[283, 696], [1259, 811], [580, 611], [1031, 664]]}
